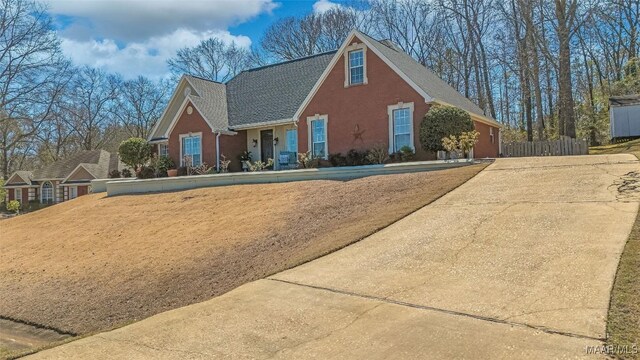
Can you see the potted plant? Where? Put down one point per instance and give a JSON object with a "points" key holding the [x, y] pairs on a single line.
{"points": [[245, 160], [172, 172]]}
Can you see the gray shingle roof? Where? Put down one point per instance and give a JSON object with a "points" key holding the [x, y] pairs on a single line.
{"points": [[211, 100], [424, 78], [24, 175], [273, 92], [97, 162]]}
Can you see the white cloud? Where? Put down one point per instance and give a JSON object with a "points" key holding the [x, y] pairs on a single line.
{"points": [[146, 57], [322, 6], [138, 20]]}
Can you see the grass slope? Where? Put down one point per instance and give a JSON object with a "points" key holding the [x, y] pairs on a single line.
{"points": [[97, 262], [623, 322]]}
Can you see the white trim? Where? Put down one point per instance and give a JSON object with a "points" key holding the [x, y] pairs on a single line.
{"points": [[273, 134], [15, 194], [187, 99], [181, 136], [173, 123], [347, 64], [166, 145], [173, 96], [53, 191], [263, 124], [339, 54], [76, 169], [11, 178], [392, 139], [69, 188], [324, 117], [175, 120]]}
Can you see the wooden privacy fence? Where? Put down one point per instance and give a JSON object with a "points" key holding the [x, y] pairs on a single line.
{"points": [[565, 146]]}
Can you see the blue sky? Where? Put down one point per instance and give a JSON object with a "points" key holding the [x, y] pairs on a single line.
{"points": [[136, 37]]}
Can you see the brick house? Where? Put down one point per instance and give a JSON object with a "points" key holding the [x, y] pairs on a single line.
{"points": [[365, 94], [63, 180]]}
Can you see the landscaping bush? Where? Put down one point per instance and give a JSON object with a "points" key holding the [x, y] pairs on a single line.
{"points": [[337, 159], [114, 174], [126, 173], [307, 161], [161, 164], [135, 153], [146, 172], [182, 171], [440, 122], [224, 164], [405, 154], [356, 158], [378, 154], [13, 206]]}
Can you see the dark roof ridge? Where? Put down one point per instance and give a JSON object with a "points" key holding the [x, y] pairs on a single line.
{"points": [[288, 61]]}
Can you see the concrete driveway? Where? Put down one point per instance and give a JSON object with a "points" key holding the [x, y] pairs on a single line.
{"points": [[517, 262]]}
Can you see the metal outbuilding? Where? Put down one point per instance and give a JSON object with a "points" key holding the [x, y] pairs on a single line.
{"points": [[624, 115]]}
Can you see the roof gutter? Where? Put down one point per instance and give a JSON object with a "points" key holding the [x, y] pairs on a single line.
{"points": [[263, 124]]}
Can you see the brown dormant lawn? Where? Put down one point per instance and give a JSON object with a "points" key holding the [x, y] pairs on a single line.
{"points": [[98, 262]]}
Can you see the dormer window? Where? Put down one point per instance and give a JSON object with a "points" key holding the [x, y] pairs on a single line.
{"points": [[356, 67], [355, 61]]}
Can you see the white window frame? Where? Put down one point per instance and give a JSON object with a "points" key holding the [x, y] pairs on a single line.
{"points": [[310, 120], [347, 65], [71, 190], [181, 137], [163, 149], [287, 138], [392, 137], [15, 194], [53, 192]]}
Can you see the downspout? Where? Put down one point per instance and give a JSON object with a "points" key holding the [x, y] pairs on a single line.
{"points": [[218, 151]]}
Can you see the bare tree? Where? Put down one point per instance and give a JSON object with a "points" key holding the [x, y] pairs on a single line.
{"points": [[140, 104], [89, 103], [211, 59], [33, 72]]}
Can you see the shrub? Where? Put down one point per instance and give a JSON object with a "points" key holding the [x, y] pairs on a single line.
{"points": [[146, 172], [162, 164], [13, 206], [135, 153], [182, 171], [259, 165], [126, 173], [467, 140], [440, 122], [202, 169], [224, 164], [114, 174], [378, 154], [355, 158], [405, 154], [461, 144], [337, 159], [306, 160]]}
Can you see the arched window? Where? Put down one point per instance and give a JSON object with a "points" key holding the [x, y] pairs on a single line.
{"points": [[47, 193]]}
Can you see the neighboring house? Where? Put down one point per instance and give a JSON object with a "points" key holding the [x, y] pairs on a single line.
{"points": [[63, 180], [365, 94], [624, 115]]}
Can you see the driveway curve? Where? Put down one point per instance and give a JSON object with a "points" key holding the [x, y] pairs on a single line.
{"points": [[517, 262]]}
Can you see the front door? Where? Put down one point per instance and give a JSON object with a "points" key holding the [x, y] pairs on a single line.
{"points": [[266, 145]]}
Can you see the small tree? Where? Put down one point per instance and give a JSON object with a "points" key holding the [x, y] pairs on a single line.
{"points": [[467, 140], [135, 153], [13, 206], [440, 122]]}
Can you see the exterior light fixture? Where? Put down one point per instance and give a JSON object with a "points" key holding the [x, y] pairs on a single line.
{"points": [[255, 142]]}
